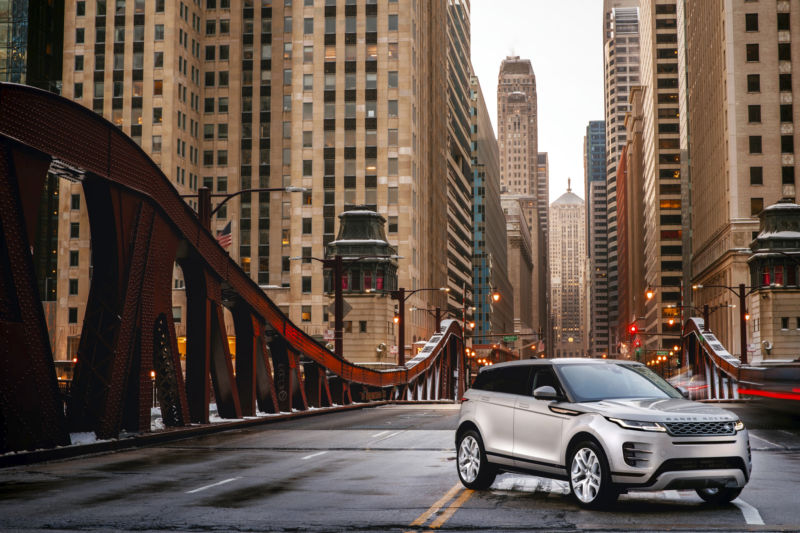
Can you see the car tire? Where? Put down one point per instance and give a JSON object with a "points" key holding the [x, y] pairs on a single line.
{"points": [[590, 476], [474, 469], [719, 496]]}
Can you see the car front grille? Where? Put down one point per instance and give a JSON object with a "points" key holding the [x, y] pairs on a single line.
{"points": [[693, 429]]}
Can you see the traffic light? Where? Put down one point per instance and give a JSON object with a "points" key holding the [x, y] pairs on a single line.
{"points": [[632, 329], [637, 343]]}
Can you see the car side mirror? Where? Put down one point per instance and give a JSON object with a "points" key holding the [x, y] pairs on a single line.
{"points": [[545, 393], [684, 392]]}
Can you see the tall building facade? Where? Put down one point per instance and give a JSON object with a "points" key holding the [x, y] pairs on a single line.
{"points": [[543, 200], [521, 268], [567, 270], [342, 98], [31, 41], [621, 72], [459, 160], [594, 165], [490, 256], [661, 173], [517, 139], [742, 144]]}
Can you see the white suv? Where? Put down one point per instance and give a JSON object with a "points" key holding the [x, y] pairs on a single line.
{"points": [[606, 426]]}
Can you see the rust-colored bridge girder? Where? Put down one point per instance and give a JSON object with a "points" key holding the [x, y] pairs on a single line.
{"points": [[140, 227]]}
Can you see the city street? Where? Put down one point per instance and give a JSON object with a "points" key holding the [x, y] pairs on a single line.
{"points": [[384, 468]]}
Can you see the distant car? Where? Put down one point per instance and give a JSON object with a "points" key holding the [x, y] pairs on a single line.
{"points": [[696, 386], [606, 426]]}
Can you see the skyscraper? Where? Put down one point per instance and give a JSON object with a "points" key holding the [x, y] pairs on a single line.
{"points": [[490, 254], [594, 165], [661, 173], [621, 72], [742, 144], [517, 139], [567, 262], [343, 99]]}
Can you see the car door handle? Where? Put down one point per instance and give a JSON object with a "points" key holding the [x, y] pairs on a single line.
{"points": [[523, 405]]}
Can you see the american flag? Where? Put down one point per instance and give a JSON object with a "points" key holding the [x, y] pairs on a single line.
{"points": [[224, 236]]}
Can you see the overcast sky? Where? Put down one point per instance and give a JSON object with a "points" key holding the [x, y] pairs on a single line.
{"points": [[563, 40]]}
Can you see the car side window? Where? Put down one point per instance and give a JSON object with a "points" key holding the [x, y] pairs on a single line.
{"points": [[545, 377], [509, 380]]}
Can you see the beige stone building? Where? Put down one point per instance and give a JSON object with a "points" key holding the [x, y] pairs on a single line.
{"points": [[567, 271], [342, 98], [621, 72], [661, 173], [517, 140], [520, 264], [740, 68]]}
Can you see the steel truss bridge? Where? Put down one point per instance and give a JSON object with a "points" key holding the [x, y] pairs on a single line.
{"points": [[722, 376], [140, 228]]}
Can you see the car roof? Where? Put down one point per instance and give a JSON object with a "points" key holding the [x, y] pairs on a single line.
{"points": [[560, 361]]}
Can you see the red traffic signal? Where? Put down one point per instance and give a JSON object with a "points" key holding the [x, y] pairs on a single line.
{"points": [[637, 343], [633, 329]]}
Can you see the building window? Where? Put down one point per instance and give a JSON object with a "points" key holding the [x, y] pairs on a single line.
{"points": [[222, 158], [158, 35], [307, 226], [751, 22], [74, 258], [392, 226], [752, 52], [79, 35], [392, 22], [74, 230], [787, 175], [75, 201], [73, 287], [783, 22], [756, 175], [755, 144], [787, 113], [157, 116], [306, 284], [362, 326], [158, 60], [308, 25], [784, 51], [77, 91], [392, 79], [787, 144], [72, 315], [754, 113], [392, 108], [784, 82], [784, 322], [756, 206], [754, 83], [305, 314], [177, 314]]}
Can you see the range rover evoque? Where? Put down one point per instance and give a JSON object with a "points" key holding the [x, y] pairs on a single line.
{"points": [[606, 426]]}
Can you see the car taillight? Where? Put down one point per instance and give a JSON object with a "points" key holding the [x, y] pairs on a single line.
{"points": [[464, 399]]}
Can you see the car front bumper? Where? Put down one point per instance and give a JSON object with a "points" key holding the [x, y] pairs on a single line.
{"points": [[659, 461]]}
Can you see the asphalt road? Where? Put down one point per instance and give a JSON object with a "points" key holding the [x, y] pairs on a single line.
{"points": [[376, 469]]}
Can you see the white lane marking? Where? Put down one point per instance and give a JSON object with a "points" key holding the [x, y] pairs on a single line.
{"points": [[765, 440], [213, 485], [751, 514], [314, 455], [387, 437], [381, 433]]}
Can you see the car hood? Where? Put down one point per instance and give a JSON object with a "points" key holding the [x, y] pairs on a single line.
{"points": [[657, 410]]}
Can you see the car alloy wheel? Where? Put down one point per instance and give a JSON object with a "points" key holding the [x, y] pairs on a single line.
{"points": [[474, 470], [586, 475], [590, 477], [469, 459]]}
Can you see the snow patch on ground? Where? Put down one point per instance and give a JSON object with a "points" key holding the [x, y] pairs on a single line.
{"points": [[83, 438]]}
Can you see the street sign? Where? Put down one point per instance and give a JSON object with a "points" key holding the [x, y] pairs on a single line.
{"points": [[510, 338], [346, 308], [662, 352], [328, 335]]}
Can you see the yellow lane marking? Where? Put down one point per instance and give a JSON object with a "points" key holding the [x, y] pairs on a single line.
{"points": [[421, 519], [462, 498]]}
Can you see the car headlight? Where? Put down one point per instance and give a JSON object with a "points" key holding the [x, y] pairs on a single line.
{"points": [[637, 424], [738, 425]]}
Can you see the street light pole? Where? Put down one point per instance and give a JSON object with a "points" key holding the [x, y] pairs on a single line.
{"points": [[204, 211], [742, 323], [338, 307], [401, 324]]}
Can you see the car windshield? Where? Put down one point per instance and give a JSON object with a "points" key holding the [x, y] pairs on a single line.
{"points": [[593, 382]]}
